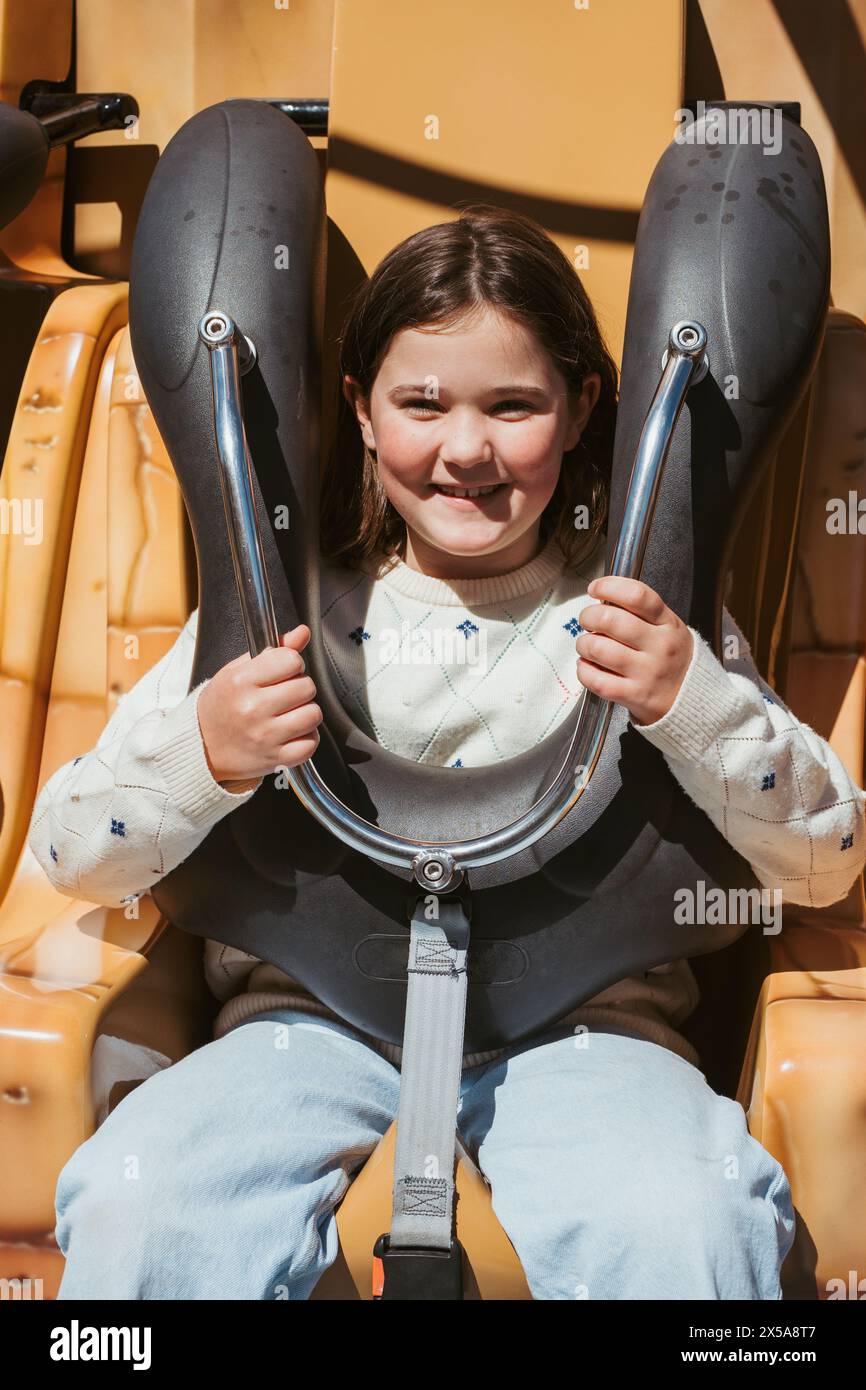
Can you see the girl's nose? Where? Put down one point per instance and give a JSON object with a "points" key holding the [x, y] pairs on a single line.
{"points": [[466, 444]]}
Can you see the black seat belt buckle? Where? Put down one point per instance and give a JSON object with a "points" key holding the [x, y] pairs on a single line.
{"points": [[417, 1272]]}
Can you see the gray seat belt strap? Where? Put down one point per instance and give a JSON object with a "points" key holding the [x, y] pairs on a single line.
{"points": [[429, 1086]]}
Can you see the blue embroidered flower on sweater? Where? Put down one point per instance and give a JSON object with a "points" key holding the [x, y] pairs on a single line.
{"points": [[459, 763], [573, 626], [118, 827], [847, 841], [53, 852], [359, 636], [466, 627], [769, 781]]}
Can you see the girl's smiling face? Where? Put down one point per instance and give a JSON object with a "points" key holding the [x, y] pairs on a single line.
{"points": [[477, 404]]}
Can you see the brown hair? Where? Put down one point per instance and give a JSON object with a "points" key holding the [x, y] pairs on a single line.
{"points": [[486, 256]]}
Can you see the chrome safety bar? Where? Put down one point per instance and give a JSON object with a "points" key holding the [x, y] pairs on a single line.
{"points": [[437, 865]]}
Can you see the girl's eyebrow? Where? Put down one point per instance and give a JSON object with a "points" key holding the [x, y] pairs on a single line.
{"points": [[522, 390]]}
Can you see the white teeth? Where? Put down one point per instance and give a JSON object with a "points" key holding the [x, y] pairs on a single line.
{"points": [[468, 491]]}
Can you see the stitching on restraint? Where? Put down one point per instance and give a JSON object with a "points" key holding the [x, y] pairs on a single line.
{"points": [[432, 957], [424, 1196]]}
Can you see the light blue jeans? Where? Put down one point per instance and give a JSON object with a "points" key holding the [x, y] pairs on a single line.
{"points": [[616, 1171]]}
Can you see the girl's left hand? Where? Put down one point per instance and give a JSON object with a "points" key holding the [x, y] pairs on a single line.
{"points": [[634, 649]]}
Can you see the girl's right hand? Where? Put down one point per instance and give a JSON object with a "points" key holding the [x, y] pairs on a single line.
{"points": [[256, 714]]}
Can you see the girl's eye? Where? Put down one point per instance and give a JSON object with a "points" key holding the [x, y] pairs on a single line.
{"points": [[420, 404]]}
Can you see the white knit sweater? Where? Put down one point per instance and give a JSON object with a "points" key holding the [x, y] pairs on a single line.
{"points": [[459, 673]]}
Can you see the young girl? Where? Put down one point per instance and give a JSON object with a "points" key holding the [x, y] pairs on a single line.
{"points": [[486, 400]]}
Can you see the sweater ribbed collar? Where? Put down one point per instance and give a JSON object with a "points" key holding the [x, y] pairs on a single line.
{"points": [[544, 570]]}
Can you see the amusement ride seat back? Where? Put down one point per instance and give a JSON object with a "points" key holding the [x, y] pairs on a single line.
{"points": [[55, 329]]}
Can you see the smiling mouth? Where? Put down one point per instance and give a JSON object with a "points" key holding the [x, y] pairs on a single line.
{"points": [[468, 492]]}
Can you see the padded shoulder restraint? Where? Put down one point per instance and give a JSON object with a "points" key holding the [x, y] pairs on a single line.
{"points": [[593, 901]]}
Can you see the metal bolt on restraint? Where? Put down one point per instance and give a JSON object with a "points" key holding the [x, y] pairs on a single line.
{"points": [[689, 337], [436, 869]]}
